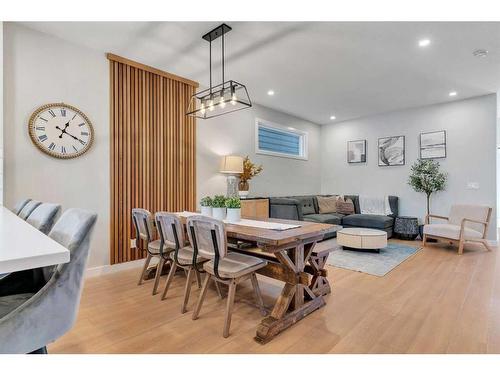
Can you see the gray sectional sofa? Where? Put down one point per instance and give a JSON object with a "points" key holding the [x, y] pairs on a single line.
{"points": [[305, 207]]}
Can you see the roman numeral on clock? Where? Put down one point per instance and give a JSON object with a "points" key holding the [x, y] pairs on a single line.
{"points": [[63, 150], [81, 124], [40, 128], [84, 133], [74, 148], [52, 113], [63, 112], [42, 138], [82, 142], [52, 146], [41, 118]]}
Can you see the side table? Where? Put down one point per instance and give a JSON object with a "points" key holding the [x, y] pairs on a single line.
{"points": [[406, 227]]}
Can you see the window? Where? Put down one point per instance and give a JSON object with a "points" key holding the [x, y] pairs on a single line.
{"points": [[277, 140]]}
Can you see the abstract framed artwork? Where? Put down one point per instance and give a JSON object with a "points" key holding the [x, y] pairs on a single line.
{"points": [[356, 151], [433, 145], [391, 151]]}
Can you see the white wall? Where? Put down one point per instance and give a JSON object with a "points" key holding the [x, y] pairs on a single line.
{"points": [[1, 113], [235, 134], [471, 155], [40, 69]]}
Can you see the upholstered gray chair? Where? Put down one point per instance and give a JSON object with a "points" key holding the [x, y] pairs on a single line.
{"points": [[20, 205], [44, 216], [144, 229], [29, 322], [28, 208], [172, 238], [208, 238]]}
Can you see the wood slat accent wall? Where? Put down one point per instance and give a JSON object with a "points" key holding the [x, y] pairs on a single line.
{"points": [[152, 145]]}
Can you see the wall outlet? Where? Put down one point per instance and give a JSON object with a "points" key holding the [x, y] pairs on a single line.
{"points": [[133, 243], [473, 185]]}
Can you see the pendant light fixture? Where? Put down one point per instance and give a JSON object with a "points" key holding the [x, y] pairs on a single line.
{"points": [[226, 97]]}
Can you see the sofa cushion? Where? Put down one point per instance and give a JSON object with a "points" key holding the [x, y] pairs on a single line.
{"points": [[307, 204], [327, 205], [345, 206], [333, 218], [450, 231], [368, 221]]}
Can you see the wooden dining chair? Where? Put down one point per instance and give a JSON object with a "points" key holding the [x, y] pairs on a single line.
{"points": [[208, 239], [172, 236], [144, 229]]}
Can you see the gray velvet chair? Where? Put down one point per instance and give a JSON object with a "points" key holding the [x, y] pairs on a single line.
{"points": [[28, 322], [20, 205], [44, 216], [28, 209]]}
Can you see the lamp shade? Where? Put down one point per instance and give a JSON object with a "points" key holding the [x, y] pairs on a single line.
{"points": [[231, 164]]}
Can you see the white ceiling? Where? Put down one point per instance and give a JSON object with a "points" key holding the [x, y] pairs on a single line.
{"points": [[316, 69]]}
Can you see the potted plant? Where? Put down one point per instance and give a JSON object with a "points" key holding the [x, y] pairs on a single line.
{"points": [[426, 178], [206, 206], [250, 170], [233, 206], [219, 207]]}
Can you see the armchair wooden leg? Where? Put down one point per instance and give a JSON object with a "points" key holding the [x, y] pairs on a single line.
{"points": [[461, 247], [425, 240], [146, 264], [258, 295], [187, 289], [159, 268], [170, 277], [201, 298], [229, 308], [219, 290], [486, 245]]}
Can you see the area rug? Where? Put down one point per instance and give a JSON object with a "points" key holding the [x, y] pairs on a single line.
{"points": [[377, 264]]}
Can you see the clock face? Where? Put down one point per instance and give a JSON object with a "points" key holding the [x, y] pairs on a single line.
{"points": [[61, 130]]}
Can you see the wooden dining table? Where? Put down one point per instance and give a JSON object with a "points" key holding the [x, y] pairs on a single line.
{"points": [[288, 253]]}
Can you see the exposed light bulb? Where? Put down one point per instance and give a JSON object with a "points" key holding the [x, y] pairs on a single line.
{"points": [[202, 108], [211, 105], [234, 99], [222, 102]]}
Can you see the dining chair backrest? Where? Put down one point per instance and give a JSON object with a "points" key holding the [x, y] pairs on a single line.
{"points": [[20, 205], [170, 229], [44, 216], [208, 235], [458, 212], [28, 209], [52, 311], [143, 222]]}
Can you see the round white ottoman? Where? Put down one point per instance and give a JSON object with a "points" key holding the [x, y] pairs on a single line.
{"points": [[362, 239]]}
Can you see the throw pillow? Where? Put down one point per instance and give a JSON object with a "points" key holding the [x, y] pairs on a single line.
{"points": [[345, 207], [327, 205]]}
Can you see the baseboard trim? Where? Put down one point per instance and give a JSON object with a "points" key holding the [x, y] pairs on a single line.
{"points": [[112, 268]]}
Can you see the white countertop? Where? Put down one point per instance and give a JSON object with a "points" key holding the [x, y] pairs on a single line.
{"points": [[22, 246]]}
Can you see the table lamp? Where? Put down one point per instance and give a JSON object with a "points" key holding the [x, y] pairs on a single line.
{"points": [[232, 166]]}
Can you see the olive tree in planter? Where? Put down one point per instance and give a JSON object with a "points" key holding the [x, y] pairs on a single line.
{"points": [[426, 178], [219, 207], [233, 205], [206, 206]]}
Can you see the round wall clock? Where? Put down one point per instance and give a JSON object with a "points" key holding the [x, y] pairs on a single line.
{"points": [[61, 130]]}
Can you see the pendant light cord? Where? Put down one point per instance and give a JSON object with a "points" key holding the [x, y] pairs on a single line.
{"points": [[222, 58], [210, 58]]}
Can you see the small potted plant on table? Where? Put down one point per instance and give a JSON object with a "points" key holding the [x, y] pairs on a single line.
{"points": [[219, 207], [206, 206], [233, 206]]}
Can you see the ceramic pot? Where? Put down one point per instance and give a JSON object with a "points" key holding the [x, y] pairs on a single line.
{"points": [[233, 215], [219, 213], [206, 211], [243, 188]]}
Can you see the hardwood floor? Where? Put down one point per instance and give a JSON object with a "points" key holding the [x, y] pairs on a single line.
{"points": [[435, 302]]}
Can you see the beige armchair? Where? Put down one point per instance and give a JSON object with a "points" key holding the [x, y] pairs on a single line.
{"points": [[466, 223]]}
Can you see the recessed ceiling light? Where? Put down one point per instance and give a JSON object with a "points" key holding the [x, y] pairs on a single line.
{"points": [[452, 93], [424, 42], [332, 117], [270, 93]]}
